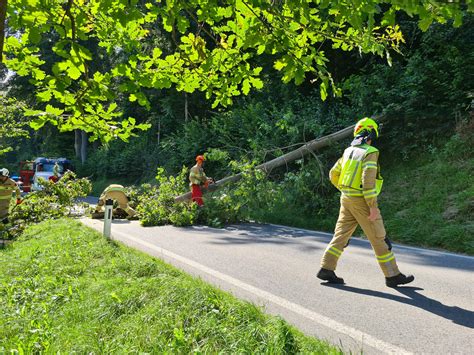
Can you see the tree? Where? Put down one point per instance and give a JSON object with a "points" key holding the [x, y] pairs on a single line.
{"points": [[215, 44], [12, 123]]}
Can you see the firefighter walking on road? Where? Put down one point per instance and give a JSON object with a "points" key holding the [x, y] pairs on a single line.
{"points": [[117, 193], [7, 187], [357, 175], [197, 180]]}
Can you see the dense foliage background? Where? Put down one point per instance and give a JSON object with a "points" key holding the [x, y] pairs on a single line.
{"points": [[426, 143]]}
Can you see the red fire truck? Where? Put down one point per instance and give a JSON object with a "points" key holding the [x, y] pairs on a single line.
{"points": [[26, 174], [32, 170]]}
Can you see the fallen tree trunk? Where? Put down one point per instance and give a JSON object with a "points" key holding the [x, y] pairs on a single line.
{"points": [[284, 159]]}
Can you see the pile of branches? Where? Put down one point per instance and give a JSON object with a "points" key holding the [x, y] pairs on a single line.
{"points": [[55, 200]]}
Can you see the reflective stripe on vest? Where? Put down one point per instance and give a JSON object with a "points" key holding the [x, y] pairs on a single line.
{"points": [[196, 177], [350, 179], [7, 187]]}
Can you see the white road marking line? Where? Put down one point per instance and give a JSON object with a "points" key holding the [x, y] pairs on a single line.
{"points": [[359, 336]]}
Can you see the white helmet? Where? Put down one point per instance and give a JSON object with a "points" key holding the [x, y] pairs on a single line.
{"points": [[4, 172]]}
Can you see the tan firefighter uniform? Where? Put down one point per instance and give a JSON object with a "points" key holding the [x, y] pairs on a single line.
{"points": [[6, 190], [117, 193], [357, 175]]}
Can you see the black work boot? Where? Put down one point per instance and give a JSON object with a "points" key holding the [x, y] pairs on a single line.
{"points": [[400, 279], [329, 276]]}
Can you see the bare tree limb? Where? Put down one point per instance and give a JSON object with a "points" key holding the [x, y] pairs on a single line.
{"points": [[3, 14]]}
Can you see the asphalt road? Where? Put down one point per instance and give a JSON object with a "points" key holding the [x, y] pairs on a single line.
{"points": [[275, 267]]}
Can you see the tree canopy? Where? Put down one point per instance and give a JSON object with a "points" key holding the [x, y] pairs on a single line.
{"points": [[207, 45], [13, 124]]}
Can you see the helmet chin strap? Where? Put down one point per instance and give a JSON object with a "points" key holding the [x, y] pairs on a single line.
{"points": [[363, 138]]}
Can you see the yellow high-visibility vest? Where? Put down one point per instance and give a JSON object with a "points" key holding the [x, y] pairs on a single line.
{"points": [[350, 179], [197, 176]]}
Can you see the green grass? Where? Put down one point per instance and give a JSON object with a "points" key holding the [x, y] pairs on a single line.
{"points": [[430, 202], [65, 288]]}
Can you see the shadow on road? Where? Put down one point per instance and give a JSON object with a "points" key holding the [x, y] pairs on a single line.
{"points": [[265, 234], [270, 230], [458, 315], [120, 221], [248, 233]]}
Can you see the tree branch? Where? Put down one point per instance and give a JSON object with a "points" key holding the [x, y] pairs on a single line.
{"points": [[3, 13]]}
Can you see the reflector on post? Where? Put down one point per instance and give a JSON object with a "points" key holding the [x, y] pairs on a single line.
{"points": [[109, 204]]}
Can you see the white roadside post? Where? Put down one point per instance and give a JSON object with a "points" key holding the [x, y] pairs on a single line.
{"points": [[108, 217]]}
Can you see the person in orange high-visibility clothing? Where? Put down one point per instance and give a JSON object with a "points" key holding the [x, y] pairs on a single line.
{"points": [[357, 175], [197, 180], [7, 187]]}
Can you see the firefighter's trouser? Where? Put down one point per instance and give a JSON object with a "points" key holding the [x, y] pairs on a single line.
{"points": [[121, 199], [196, 194], [4, 207], [354, 211]]}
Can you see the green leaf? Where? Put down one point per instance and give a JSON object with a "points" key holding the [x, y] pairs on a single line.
{"points": [[299, 76], [279, 65], [38, 74], [54, 110], [37, 123], [44, 95], [256, 83], [13, 42], [246, 87], [183, 24], [34, 35], [157, 52], [457, 19], [323, 90], [29, 112], [425, 23], [74, 73]]}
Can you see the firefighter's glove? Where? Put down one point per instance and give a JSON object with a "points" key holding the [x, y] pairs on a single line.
{"points": [[374, 214], [18, 201]]}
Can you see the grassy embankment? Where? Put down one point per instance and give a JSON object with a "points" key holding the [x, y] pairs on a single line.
{"points": [[64, 288], [430, 201]]}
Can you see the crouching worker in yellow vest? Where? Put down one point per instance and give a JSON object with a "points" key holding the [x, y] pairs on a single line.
{"points": [[357, 175], [117, 193], [7, 187]]}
